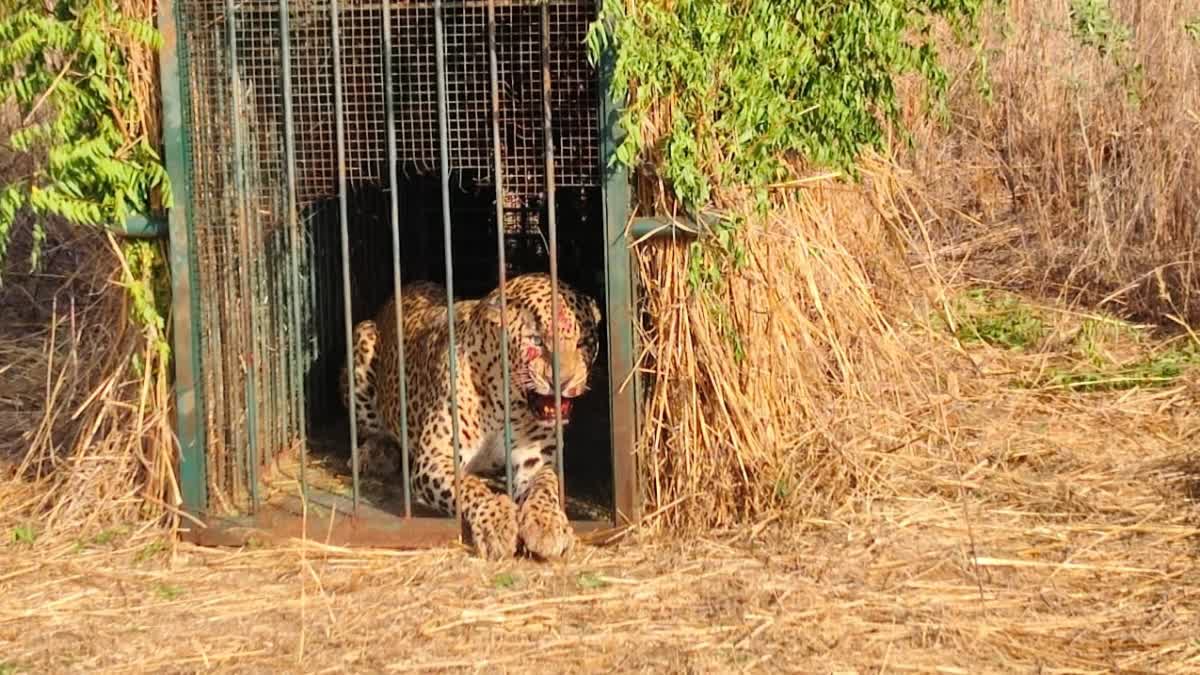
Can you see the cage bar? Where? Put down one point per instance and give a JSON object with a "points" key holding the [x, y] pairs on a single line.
{"points": [[186, 311], [389, 104], [244, 239], [339, 125], [291, 241], [439, 37], [552, 225], [619, 298], [502, 272]]}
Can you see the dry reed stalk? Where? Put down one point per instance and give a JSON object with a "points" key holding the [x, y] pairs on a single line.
{"points": [[1096, 190], [758, 386], [142, 63]]}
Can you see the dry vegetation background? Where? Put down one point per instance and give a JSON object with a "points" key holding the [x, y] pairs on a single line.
{"points": [[1080, 178], [859, 485]]}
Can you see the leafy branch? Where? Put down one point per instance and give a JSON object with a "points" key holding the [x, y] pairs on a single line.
{"points": [[752, 84], [66, 68]]}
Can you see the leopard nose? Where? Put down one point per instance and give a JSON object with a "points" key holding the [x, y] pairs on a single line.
{"points": [[573, 386]]}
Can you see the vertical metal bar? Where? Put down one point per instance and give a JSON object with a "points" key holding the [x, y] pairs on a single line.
{"points": [[620, 301], [552, 225], [498, 178], [394, 190], [339, 125], [296, 389], [185, 310], [439, 39], [252, 441], [243, 234]]}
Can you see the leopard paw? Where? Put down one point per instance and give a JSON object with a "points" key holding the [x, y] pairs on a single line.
{"points": [[493, 528], [545, 530], [378, 455]]}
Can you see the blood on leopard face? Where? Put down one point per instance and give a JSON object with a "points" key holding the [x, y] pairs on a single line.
{"points": [[542, 405]]}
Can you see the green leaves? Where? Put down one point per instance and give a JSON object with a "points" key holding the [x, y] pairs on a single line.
{"points": [[1094, 25], [749, 82], [66, 68]]}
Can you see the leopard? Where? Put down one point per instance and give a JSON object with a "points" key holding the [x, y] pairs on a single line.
{"points": [[533, 519]]}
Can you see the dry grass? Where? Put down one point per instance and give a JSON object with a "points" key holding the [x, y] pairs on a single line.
{"points": [[772, 388], [85, 436], [1011, 535], [1080, 178], [86, 433]]}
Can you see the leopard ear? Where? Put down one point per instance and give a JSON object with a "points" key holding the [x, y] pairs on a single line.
{"points": [[595, 309], [491, 308]]}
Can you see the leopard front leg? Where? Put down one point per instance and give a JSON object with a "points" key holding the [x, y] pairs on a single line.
{"points": [[541, 520], [377, 448], [491, 518]]}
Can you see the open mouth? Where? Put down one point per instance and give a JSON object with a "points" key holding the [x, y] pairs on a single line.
{"points": [[543, 407]]}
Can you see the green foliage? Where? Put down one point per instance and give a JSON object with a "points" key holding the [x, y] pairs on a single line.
{"points": [[1000, 319], [150, 551], [997, 319], [1192, 28], [590, 581], [65, 67], [1096, 332], [147, 281], [167, 591], [753, 83], [108, 536], [23, 534], [1096, 370], [1094, 25], [504, 580]]}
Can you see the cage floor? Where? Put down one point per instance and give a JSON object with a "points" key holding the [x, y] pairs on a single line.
{"points": [[330, 481]]}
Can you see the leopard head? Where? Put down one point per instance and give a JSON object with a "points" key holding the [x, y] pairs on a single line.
{"points": [[532, 327]]}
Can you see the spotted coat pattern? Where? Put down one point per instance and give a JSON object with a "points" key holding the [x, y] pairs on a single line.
{"points": [[497, 524]]}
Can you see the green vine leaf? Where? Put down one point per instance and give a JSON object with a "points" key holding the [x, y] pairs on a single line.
{"points": [[749, 83], [66, 68]]}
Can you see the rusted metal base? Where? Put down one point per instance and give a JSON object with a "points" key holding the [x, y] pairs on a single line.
{"points": [[280, 523]]}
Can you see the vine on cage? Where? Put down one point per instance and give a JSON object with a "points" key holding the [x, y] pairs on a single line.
{"points": [[751, 85]]}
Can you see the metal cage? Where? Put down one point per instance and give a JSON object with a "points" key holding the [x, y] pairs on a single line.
{"points": [[322, 155]]}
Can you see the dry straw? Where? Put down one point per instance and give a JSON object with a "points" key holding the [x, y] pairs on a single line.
{"points": [[1079, 178], [85, 431], [85, 403], [758, 386]]}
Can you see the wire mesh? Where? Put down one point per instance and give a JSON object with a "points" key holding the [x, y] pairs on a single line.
{"points": [[414, 86], [267, 245]]}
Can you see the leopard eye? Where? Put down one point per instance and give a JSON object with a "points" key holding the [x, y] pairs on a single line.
{"points": [[536, 340]]}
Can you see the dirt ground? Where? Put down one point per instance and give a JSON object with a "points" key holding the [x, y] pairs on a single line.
{"points": [[1057, 533]]}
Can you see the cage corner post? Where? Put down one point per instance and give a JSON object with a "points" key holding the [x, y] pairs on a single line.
{"points": [[189, 397], [620, 301]]}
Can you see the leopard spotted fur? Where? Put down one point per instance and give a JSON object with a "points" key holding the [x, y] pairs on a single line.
{"points": [[534, 518]]}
